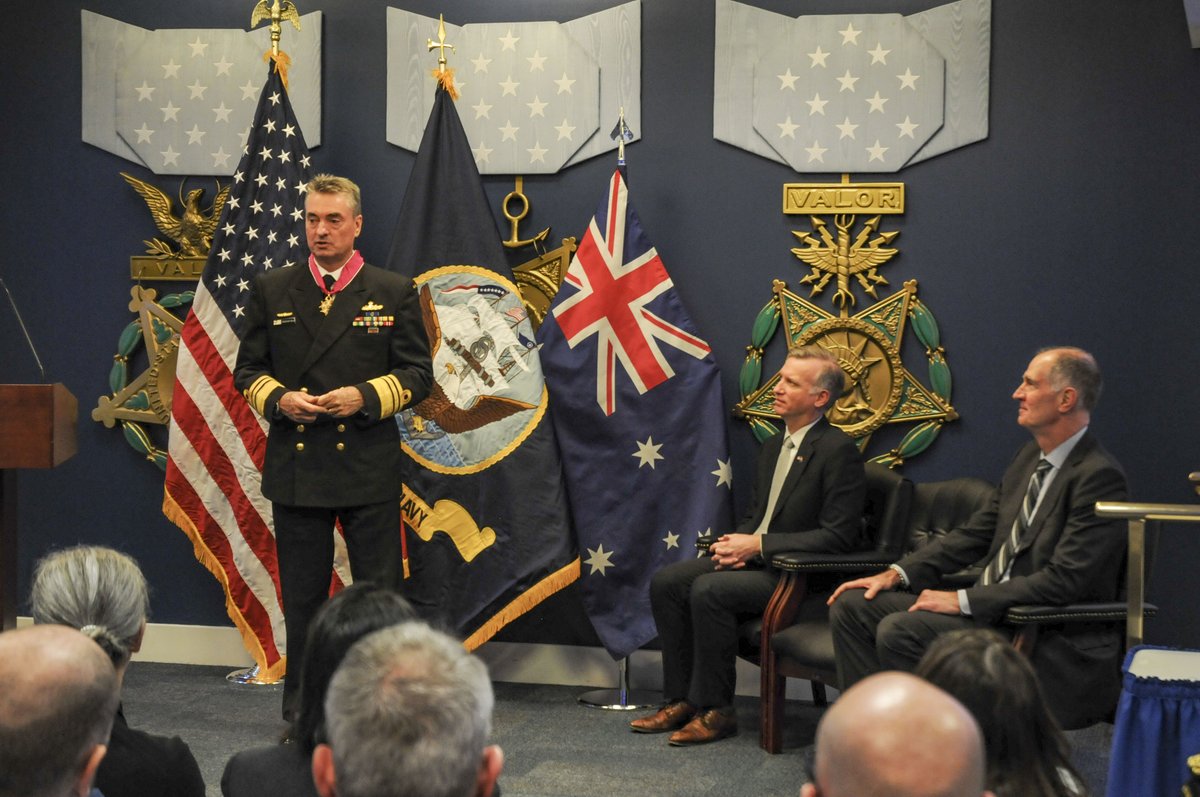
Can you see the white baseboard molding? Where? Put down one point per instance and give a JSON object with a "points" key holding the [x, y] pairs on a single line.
{"points": [[514, 662]]}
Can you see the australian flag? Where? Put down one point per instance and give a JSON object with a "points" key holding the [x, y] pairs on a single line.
{"points": [[636, 400]]}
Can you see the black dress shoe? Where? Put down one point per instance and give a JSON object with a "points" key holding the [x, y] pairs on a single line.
{"points": [[709, 726], [668, 718]]}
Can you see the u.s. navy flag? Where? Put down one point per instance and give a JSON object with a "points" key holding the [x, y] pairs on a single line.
{"points": [[217, 442], [636, 401], [487, 533]]}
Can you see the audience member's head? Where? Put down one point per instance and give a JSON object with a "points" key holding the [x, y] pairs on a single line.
{"points": [[341, 621], [408, 714], [97, 590], [895, 735], [1027, 754], [57, 701]]}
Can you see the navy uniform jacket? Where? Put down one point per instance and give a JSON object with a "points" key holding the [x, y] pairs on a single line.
{"points": [[372, 339]]}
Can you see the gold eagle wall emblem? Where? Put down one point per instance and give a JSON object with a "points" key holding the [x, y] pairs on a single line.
{"points": [[191, 231]]}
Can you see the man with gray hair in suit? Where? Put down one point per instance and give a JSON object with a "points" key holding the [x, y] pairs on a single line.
{"points": [[408, 714], [57, 704]]}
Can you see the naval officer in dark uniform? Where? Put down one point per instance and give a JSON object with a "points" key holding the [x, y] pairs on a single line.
{"points": [[333, 350]]}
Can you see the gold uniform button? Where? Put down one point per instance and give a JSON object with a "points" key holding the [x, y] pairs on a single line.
{"points": [[341, 427], [300, 428], [299, 446], [303, 390], [341, 446]]}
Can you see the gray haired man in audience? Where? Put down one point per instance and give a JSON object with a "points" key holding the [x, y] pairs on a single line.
{"points": [[57, 701], [896, 735], [408, 713]]}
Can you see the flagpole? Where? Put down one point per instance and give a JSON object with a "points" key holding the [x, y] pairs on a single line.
{"points": [[276, 14], [621, 698]]}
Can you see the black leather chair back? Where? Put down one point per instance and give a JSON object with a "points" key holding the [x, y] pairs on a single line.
{"points": [[939, 507], [886, 509]]}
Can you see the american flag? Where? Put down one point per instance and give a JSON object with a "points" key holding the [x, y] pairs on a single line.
{"points": [[217, 442], [635, 396]]}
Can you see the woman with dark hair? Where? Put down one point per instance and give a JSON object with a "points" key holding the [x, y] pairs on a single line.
{"points": [[1028, 756], [286, 768], [103, 593]]}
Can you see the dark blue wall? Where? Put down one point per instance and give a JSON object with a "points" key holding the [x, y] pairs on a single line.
{"points": [[1075, 221]]}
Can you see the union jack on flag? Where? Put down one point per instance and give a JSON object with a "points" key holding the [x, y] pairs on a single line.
{"points": [[618, 273]]}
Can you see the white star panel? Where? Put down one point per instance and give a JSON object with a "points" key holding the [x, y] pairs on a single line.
{"points": [[854, 93], [535, 96], [180, 101], [851, 93]]}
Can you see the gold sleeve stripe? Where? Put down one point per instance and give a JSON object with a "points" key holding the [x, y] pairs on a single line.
{"points": [[392, 395], [260, 390]]}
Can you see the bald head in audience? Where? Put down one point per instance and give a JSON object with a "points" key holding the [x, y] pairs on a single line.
{"points": [[57, 703], [895, 735]]}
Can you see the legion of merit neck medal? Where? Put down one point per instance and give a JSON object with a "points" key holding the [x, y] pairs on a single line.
{"points": [[326, 304]]}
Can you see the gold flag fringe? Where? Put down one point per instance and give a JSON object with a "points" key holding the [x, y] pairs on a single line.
{"points": [[283, 62], [524, 602], [267, 674], [445, 78]]}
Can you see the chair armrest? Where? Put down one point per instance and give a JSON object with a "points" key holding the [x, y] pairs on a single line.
{"points": [[857, 562], [967, 577], [1113, 611]]}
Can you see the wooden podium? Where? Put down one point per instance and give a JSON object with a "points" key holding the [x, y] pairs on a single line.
{"points": [[37, 430]]}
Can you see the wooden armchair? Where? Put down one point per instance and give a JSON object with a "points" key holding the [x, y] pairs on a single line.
{"points": [[885, 522]]}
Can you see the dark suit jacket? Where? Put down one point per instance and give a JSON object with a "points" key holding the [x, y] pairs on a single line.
{"points": [[373, 339], [821, 504], [282, 770], [1068, 555], [139, 764]]}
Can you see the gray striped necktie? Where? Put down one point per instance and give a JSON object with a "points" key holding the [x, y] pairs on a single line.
{"points": [[997, 567]]}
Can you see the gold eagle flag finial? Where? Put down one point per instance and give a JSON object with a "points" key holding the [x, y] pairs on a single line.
{"points": [[443, 74], [278, 12]]}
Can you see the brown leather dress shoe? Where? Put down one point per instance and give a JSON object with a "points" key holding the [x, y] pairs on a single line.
{"points": [[670, 717], [709, 726]]}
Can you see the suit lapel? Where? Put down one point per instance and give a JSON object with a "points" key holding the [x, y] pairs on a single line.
{"points": [[1054, 492], [800, 463], [346, 306], [305, 296]]}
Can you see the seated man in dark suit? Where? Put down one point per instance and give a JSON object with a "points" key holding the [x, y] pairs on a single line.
{"points": [[808, 496], [1039, 536]]}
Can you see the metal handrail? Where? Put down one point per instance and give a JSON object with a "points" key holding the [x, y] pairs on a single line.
{"points": [[1138, 514]]}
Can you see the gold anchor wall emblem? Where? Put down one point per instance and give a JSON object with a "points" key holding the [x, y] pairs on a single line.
{"points": [[514, 239]]}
